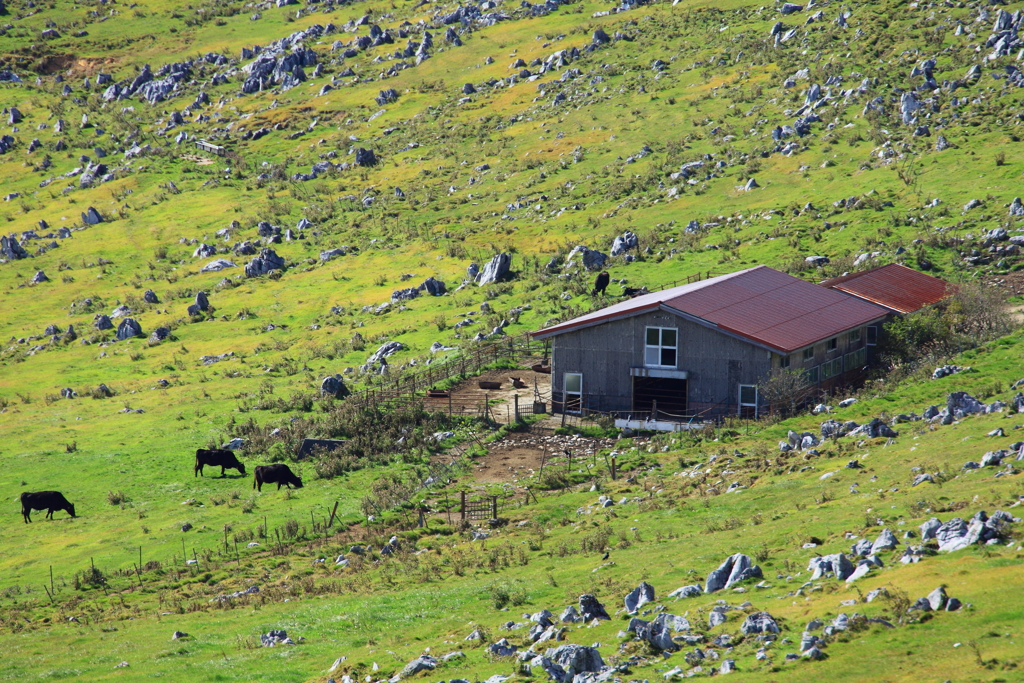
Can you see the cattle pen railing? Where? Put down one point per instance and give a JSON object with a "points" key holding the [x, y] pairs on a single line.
{"points": [[413, 384]]}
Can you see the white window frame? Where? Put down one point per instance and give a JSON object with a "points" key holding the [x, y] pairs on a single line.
{"points": [[851, 340], [739, 399], [660, 347], [871, 331], [785, 361], [832, 368], [566, 393], [832, 344], [807, 354]]}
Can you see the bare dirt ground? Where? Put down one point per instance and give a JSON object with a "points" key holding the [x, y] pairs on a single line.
{"points": [[468, 397], [201, 161], [519, 456]]}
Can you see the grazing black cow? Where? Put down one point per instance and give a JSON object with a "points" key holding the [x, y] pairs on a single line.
{"points": [[51, 501], [275, 474], [217, 457], [601, 283]]}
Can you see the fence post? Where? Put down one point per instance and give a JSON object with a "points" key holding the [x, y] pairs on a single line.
{"points": [[462, 506], [494, 507], [449, 403], [654, 410], [613, 467], [517, 408]]}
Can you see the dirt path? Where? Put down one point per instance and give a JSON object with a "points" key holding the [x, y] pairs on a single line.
{"points": [[519, 456]]}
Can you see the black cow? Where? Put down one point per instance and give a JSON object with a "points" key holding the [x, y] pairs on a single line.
{"points": [[601, 283], [217, 457], [51, 501], [633, 291], [275, 474]]}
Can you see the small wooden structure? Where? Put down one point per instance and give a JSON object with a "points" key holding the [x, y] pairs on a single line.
{"points": [[483, 384], [541, 368], [211, 148], [479, 509]]}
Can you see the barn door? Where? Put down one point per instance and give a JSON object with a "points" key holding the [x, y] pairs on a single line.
{"points": [[573, 392]]}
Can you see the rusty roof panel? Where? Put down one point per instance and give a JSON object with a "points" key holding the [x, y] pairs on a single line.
{"points": [[896, 287], [761, 304]]}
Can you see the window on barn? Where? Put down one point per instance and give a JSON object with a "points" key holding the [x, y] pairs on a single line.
{"points": [[784, 361], [662, 344], [811, 374], [857, 359], [832, 368], [872, 336], [808, 354], [832, 344], [748, 401], [854, 338], [573, 392]]}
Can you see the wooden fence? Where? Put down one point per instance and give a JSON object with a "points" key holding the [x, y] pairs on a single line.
{"points": [[413, 385]]}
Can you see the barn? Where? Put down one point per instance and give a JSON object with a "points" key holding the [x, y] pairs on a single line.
{"points": [[900, 289], [699, 351]]}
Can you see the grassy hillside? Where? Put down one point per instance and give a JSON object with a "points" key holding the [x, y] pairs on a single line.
{"points": [[652, 119]]}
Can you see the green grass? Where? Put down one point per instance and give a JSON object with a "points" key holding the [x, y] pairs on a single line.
{"points": [[568, 160]]}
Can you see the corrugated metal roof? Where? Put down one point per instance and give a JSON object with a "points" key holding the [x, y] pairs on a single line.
{"points": [[761, 304], [896, 287]]}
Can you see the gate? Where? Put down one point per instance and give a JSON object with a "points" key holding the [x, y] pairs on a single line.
{"points": [[486, 508]]}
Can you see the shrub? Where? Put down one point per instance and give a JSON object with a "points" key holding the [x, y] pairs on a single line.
{"points": [[117, 498], [504, 593]]}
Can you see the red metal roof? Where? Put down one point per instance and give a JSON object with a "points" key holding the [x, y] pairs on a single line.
{"points": [[763, 305], [896, 287]]}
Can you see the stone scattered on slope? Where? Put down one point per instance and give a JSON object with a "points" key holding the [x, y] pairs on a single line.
{"points": [[624, 242], [11, 249], [590, 258], [638, 597], [268, 261], [128, 328], [591, 609], [217, 264], [759, 622], [576, 659], [837, 565], [385, 350], [734, 569], [957, 533], [275, 637], [333, 386], [496, 269], [687, 592], [885, 541], [91, 216], [421, 663]]}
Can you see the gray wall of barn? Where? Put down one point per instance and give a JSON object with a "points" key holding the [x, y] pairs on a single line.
{"points": [[716, 363]]}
